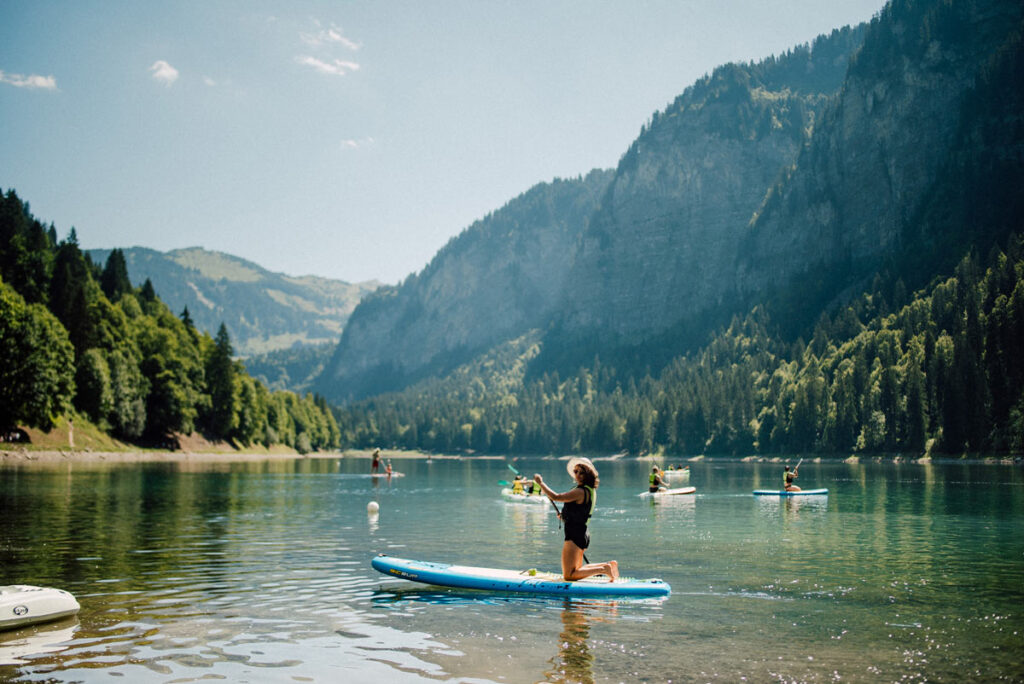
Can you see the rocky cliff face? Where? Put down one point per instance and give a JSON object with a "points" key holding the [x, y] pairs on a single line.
{"points": [[498, 279], [662, 247], [855, 193]]}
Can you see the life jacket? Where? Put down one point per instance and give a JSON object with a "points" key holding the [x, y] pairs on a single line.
{"points": [[654, 479], [517, 486], [579, 513]]}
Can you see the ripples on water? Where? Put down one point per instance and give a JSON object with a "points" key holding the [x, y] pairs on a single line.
{"points": [[261, 573]]}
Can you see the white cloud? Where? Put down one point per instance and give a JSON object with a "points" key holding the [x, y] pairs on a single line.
{"points": [[332, 34], [32, 81], [352, 144], [335, 67], [162, 71]]}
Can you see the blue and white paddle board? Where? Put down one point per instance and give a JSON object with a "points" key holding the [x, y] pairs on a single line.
{"points": [[514, 581], [783, 492]]}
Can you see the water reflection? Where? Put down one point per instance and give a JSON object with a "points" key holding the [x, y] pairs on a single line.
{"points": [[17, 646], [574, 662], [791, 506]]}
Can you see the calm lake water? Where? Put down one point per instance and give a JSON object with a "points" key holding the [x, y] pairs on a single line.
{"points": [[260, 572]]}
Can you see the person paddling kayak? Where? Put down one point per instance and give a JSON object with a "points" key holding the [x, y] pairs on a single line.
{"points": [[578, 506]]}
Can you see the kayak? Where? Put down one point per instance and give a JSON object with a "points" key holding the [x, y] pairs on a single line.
{"points": [[675, 475], [514, 581], [23, 604], [508, 495], [668, 492], [783, 492]]}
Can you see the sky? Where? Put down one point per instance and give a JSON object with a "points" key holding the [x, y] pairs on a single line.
{"points": [[349, 140]]}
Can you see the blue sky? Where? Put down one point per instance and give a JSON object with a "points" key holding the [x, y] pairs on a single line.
{"points": [[350, 140]]}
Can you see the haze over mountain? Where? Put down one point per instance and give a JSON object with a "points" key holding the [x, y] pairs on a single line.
{"points": [[788, 183], [262, 310]]}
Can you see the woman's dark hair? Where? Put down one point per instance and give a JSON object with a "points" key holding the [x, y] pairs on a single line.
{"points": [[588, 475]]}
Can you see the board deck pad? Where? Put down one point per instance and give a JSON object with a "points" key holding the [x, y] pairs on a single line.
{"points": [[514, 581]]}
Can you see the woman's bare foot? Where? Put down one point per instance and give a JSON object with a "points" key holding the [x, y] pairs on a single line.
{"points": [[613, 570]]}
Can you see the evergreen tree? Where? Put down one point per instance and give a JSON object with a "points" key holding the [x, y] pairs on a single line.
{"points": [[114, 281], [220, 384]]}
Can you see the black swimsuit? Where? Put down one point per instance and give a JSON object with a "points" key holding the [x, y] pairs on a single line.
{"points": [[575, 516]]}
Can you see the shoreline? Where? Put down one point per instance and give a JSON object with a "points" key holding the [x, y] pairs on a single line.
{"points": [[29, 456]]}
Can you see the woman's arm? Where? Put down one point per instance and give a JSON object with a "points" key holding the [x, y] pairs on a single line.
{"points": [[575, 495]]}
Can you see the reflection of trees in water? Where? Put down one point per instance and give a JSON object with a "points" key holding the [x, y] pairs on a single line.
{"points": [[574, 661]]}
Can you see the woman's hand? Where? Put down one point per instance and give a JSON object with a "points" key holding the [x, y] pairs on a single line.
{"points": [[538, 479]]}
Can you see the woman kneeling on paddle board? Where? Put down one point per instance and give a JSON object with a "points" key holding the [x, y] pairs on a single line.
{"points": [[576, 511]]}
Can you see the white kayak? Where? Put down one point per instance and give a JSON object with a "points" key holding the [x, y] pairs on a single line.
{"points": [[23, 604], [681, 475], [508, 495], [668, 492], [783, 492]]}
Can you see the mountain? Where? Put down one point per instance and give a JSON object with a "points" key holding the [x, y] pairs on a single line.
{"points": [[500, 277], [263, 311], [916, 161], [660, 250], [786, 184]]}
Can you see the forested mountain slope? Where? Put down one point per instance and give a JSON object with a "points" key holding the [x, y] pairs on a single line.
{"points": [[917, 160], [262, 310], [936, 371], [661, 249], [501, 277]]}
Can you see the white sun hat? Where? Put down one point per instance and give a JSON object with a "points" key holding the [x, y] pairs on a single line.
{"points": [[578, 460]]}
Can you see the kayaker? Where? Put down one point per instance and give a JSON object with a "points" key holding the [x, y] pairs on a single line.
{"points": [[517, 484], [578, 506], [788, 478], [657, 484]]}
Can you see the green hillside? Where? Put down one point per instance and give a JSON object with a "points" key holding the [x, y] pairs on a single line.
{"points": [[79, 340]]}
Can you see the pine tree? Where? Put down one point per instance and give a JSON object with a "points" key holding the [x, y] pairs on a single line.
{"points": [[114, 281]]}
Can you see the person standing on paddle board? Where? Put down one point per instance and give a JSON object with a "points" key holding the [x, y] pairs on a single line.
{"points": [[578, 506], [375, 466]]}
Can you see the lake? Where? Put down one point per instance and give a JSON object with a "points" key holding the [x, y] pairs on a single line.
{"points": [[260, 572]]}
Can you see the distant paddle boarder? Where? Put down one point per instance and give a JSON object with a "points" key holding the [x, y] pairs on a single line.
{"points": [[375, 466], [578, 506], [788, 477]]}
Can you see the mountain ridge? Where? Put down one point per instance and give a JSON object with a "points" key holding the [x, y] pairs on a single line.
{"points": [[263, 310]]}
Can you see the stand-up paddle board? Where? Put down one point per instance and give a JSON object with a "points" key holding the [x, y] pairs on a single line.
{"points": [[514, 581], [668, 492], [783, 492]]}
